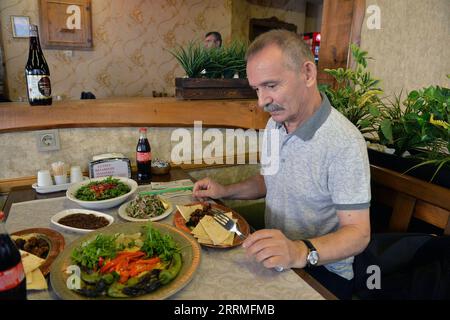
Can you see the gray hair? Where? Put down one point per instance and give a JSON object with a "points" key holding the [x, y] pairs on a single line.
{"points": [[292, 45]]}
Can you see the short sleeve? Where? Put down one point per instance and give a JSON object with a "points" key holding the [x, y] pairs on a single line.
{"points": [[349, 176]]}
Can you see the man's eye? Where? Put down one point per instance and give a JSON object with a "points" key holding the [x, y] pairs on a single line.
{"points": [[271, 86]]}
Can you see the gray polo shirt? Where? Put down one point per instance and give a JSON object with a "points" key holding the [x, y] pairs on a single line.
{"points": [[323, 167]]}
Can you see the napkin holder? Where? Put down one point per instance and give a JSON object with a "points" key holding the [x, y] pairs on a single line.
{"points": [[110, 165]]}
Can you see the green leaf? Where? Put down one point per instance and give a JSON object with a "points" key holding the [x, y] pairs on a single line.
{"points": [[386, 129]]}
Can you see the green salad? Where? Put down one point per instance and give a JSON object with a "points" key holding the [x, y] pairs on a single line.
{"points": [[127, 265], [108, 188]]}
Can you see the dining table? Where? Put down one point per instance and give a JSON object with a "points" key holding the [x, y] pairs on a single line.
{"points": [[222, 274]]}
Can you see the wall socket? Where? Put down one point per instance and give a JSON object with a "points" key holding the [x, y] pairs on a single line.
{"points": [[47, 140]]}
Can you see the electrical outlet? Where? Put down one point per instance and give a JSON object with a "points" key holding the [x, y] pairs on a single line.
{"points": [[47, 140]]}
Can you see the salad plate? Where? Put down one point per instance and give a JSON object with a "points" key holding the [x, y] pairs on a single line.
{"points": [[142, 208], [189, 250], [102, 193]]}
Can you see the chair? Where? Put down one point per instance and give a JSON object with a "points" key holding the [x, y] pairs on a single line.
{"points": [[410, 197]]}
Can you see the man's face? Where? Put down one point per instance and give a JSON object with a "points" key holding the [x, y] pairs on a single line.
{"points": [[280, 90], [211, 42]]}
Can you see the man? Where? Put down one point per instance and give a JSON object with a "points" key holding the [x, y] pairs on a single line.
{"points": [[213, 39], [317, 203]]}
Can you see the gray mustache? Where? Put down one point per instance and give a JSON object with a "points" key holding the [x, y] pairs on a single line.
{"points": [[272, 107]]}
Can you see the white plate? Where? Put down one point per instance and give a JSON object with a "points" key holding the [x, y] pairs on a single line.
{"points": [[54, 220], [101, 204], [53, 188], [123, 214]]}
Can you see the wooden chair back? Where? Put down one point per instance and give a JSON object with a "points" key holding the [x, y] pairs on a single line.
{"points": [[410, 197]]}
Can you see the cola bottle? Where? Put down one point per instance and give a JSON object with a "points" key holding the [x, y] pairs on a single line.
{"points": [[37, 73], [13, 285], [143, 158]]}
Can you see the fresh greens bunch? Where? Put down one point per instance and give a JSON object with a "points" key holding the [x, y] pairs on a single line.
{"points": [[89, 253], [158, 244], [357, 95]]}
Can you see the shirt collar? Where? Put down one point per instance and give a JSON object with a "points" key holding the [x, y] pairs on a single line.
{"points": [[307, 130]]}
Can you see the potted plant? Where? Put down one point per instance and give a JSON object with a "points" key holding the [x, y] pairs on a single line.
{"points": [[413, 136], [357, 95], [212, 73], [417, 129]]}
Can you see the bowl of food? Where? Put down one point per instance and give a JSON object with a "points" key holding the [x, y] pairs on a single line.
{"points": [[102, 193], [160, 167], [81, 220], [145, 207]]}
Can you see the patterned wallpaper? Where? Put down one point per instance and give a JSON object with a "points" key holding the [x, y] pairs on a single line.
{"points": [[130, 38]]}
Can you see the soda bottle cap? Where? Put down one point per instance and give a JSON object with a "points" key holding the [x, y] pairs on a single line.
{"points": [[143, 129]]}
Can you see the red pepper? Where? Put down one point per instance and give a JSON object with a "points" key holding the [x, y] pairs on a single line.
{"points": [[101, 261]]}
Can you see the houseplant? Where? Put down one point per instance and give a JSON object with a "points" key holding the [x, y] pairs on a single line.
{"points": [[356, 95], [416, 129], [212, 73]]}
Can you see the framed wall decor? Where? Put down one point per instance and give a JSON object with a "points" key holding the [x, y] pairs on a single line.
{"points": [[65, 24], [20, 26]]}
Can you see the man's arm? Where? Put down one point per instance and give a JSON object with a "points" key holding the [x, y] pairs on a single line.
{"points": [[273, 249], [252, 188]]}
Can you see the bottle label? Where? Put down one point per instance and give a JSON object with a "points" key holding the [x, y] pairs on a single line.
{"points": [[11, 278], [143, 156], [39, 87]]}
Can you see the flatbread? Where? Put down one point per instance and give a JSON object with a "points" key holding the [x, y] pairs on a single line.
{"points": [[186, 211], [30, 261], [215, 231], [38, 280]]}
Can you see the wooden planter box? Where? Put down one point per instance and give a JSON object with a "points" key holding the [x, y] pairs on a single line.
{"points": [[401, 165], [202, 88]]}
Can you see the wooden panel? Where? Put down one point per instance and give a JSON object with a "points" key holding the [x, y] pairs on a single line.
{"points": [[341, 24], [431, 214], [402, 213], [65, 24], [419, 189], [132, 112]]}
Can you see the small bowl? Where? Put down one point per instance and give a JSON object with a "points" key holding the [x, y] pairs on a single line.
{"points": [[161, 170]]}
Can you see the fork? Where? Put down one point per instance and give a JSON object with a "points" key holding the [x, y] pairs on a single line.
{"points": [[230, 225], [227, 223]]}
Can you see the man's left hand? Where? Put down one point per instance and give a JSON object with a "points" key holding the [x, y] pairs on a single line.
{"points": [[273, 249]]}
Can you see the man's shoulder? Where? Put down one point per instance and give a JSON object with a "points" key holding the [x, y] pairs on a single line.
{"points": [[338, 126]]}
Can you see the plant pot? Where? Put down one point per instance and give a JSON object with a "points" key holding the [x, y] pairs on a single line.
{"points": [[204, 88], [401, 165]]}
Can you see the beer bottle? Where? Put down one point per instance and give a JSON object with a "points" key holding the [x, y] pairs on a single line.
{"points": [[13, 285], [37, 73], [143, 158]]}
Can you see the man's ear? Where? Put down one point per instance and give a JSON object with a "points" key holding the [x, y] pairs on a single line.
{"points": [[309, 69]]}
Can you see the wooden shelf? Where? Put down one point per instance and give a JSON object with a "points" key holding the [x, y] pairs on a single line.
{"points": [[132, 112]]}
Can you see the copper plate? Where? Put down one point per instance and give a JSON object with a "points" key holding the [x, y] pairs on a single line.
{"points": [[55, 239], [190, 252], [243, 226]]}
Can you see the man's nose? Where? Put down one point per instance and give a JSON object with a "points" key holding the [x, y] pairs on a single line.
{"points": [[263, 99]]}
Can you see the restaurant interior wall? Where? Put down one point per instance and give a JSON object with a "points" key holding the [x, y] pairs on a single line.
{"points": [[412, 48], [78, 145], [130, 38]]}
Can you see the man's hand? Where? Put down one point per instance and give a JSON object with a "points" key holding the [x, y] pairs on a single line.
{"points": [[273, 249], [208, 188]]}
